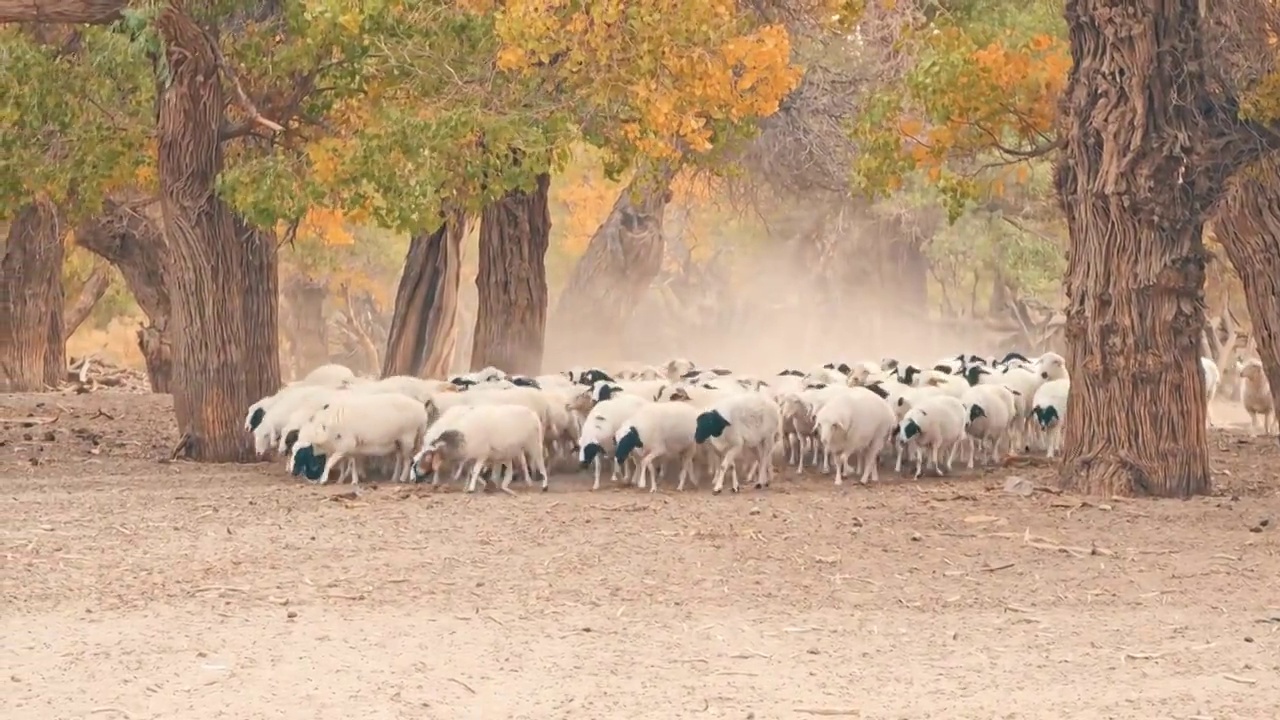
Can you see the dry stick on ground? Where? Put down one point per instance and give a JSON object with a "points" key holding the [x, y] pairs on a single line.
{"points": [[31, 420], [1045, 544]]}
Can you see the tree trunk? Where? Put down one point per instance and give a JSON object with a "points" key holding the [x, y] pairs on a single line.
{"points": [[30, 285], [1138, 173], [221, 274], [128, 240], [55, 355], [307, 330], [623, 258], [511, 283], [91, 12], [91, 293], [424, 324], [1248, 226]]}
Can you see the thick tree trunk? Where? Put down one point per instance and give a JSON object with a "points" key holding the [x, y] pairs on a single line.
{"points": [[55, 354], [511, 283], [125, 238], [1248, 226], [91, 293], [623, 258], [424, 324], [1135, 181], [30, 286], [221, 275], [306, 329]]}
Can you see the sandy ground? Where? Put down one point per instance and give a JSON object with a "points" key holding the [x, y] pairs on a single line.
{"points": [[135, 588]]}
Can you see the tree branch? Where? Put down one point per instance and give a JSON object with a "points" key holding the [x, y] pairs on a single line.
{"points": [[74, 12]]}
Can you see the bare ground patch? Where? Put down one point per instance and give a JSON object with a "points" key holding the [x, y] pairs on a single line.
{"points": [[133, 588]]}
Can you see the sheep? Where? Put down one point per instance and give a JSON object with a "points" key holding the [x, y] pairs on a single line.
{"points": [[988, 411], [533, 399], [1256, 396], [363, 425], [1049, 407], [856, 424], [1050, 366], [1212, 377], [737, 424], [330, 375], [268, 416], [659, 430], [414, 387], [936, 422], [799, 430], [599, 429], [489, 435]]}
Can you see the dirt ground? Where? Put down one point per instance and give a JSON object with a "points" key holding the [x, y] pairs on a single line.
{"points": [[131, 587]]}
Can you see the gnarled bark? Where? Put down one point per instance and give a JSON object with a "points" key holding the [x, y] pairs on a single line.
{"points": [[1145, 155], [55, 354], [222, 273], [1248, 226], [30, 296], [424, 324], [511, 283], [620, 263], [306, 329], [94, 288], [126, 238]]}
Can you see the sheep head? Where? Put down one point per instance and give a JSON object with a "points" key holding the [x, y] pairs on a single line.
{"points": [[710, 424]]}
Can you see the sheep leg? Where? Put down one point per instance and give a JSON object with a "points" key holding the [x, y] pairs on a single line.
{"points": [[647, 464], [919, 461], [840, 471], [951, 456], [729, 457], [475, 476], [897, 466], [508, 474], [870, 464], [329, 462], [596, 462], [973, 450], [686, 471], [933, 457], [800, 455], [540, 464], [353, 463]]}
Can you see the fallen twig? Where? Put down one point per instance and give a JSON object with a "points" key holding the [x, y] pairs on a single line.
{"points": [[464, 685], [993, 568], [1239, 679], [1045, 544], [31, 420], [827, 712]]}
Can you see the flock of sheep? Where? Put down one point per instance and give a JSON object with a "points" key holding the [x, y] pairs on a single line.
{"points": [[846, 418]]}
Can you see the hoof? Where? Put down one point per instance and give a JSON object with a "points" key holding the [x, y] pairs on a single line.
{"points": [[715, 492], [544, 488]]}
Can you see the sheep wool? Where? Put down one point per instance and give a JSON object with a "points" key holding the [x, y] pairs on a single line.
{"points": [[659, 430], [856, 424], [489, 436], [600, 428], [741, 423], [936, 423]]}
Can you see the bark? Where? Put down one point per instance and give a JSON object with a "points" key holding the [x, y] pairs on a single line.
{"points": [[94, 288], [87, 12], [124, 237], [307, 331], [30, 285], [55, 354], [511, 283], [221, 273], [1248, 227], [620, 263], [1141, 166], [424, 325]]}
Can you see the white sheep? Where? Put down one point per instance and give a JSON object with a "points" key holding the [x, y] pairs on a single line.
{"points": [[1212, 378], [268, 416], [355, 424], [488, 436], [601, 427], [1049, 408], [1256, 395], [331, 375], [856, 424], [745, 422], [659, 430], [936, 422], [988, 411]]}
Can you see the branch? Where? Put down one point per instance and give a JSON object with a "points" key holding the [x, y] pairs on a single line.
{"points": [[245, 101], [72, 12], [94, 288]]}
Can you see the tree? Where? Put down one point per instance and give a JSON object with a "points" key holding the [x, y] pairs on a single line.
{"points": [[654, 85], [512, 282], [125, 237], [422, 342], [30, 290]]}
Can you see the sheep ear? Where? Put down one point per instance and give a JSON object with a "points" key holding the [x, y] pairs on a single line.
{"points": [[452, 439]]}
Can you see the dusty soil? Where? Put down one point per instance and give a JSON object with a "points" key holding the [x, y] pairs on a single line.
{"points": [[135, 588]]}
